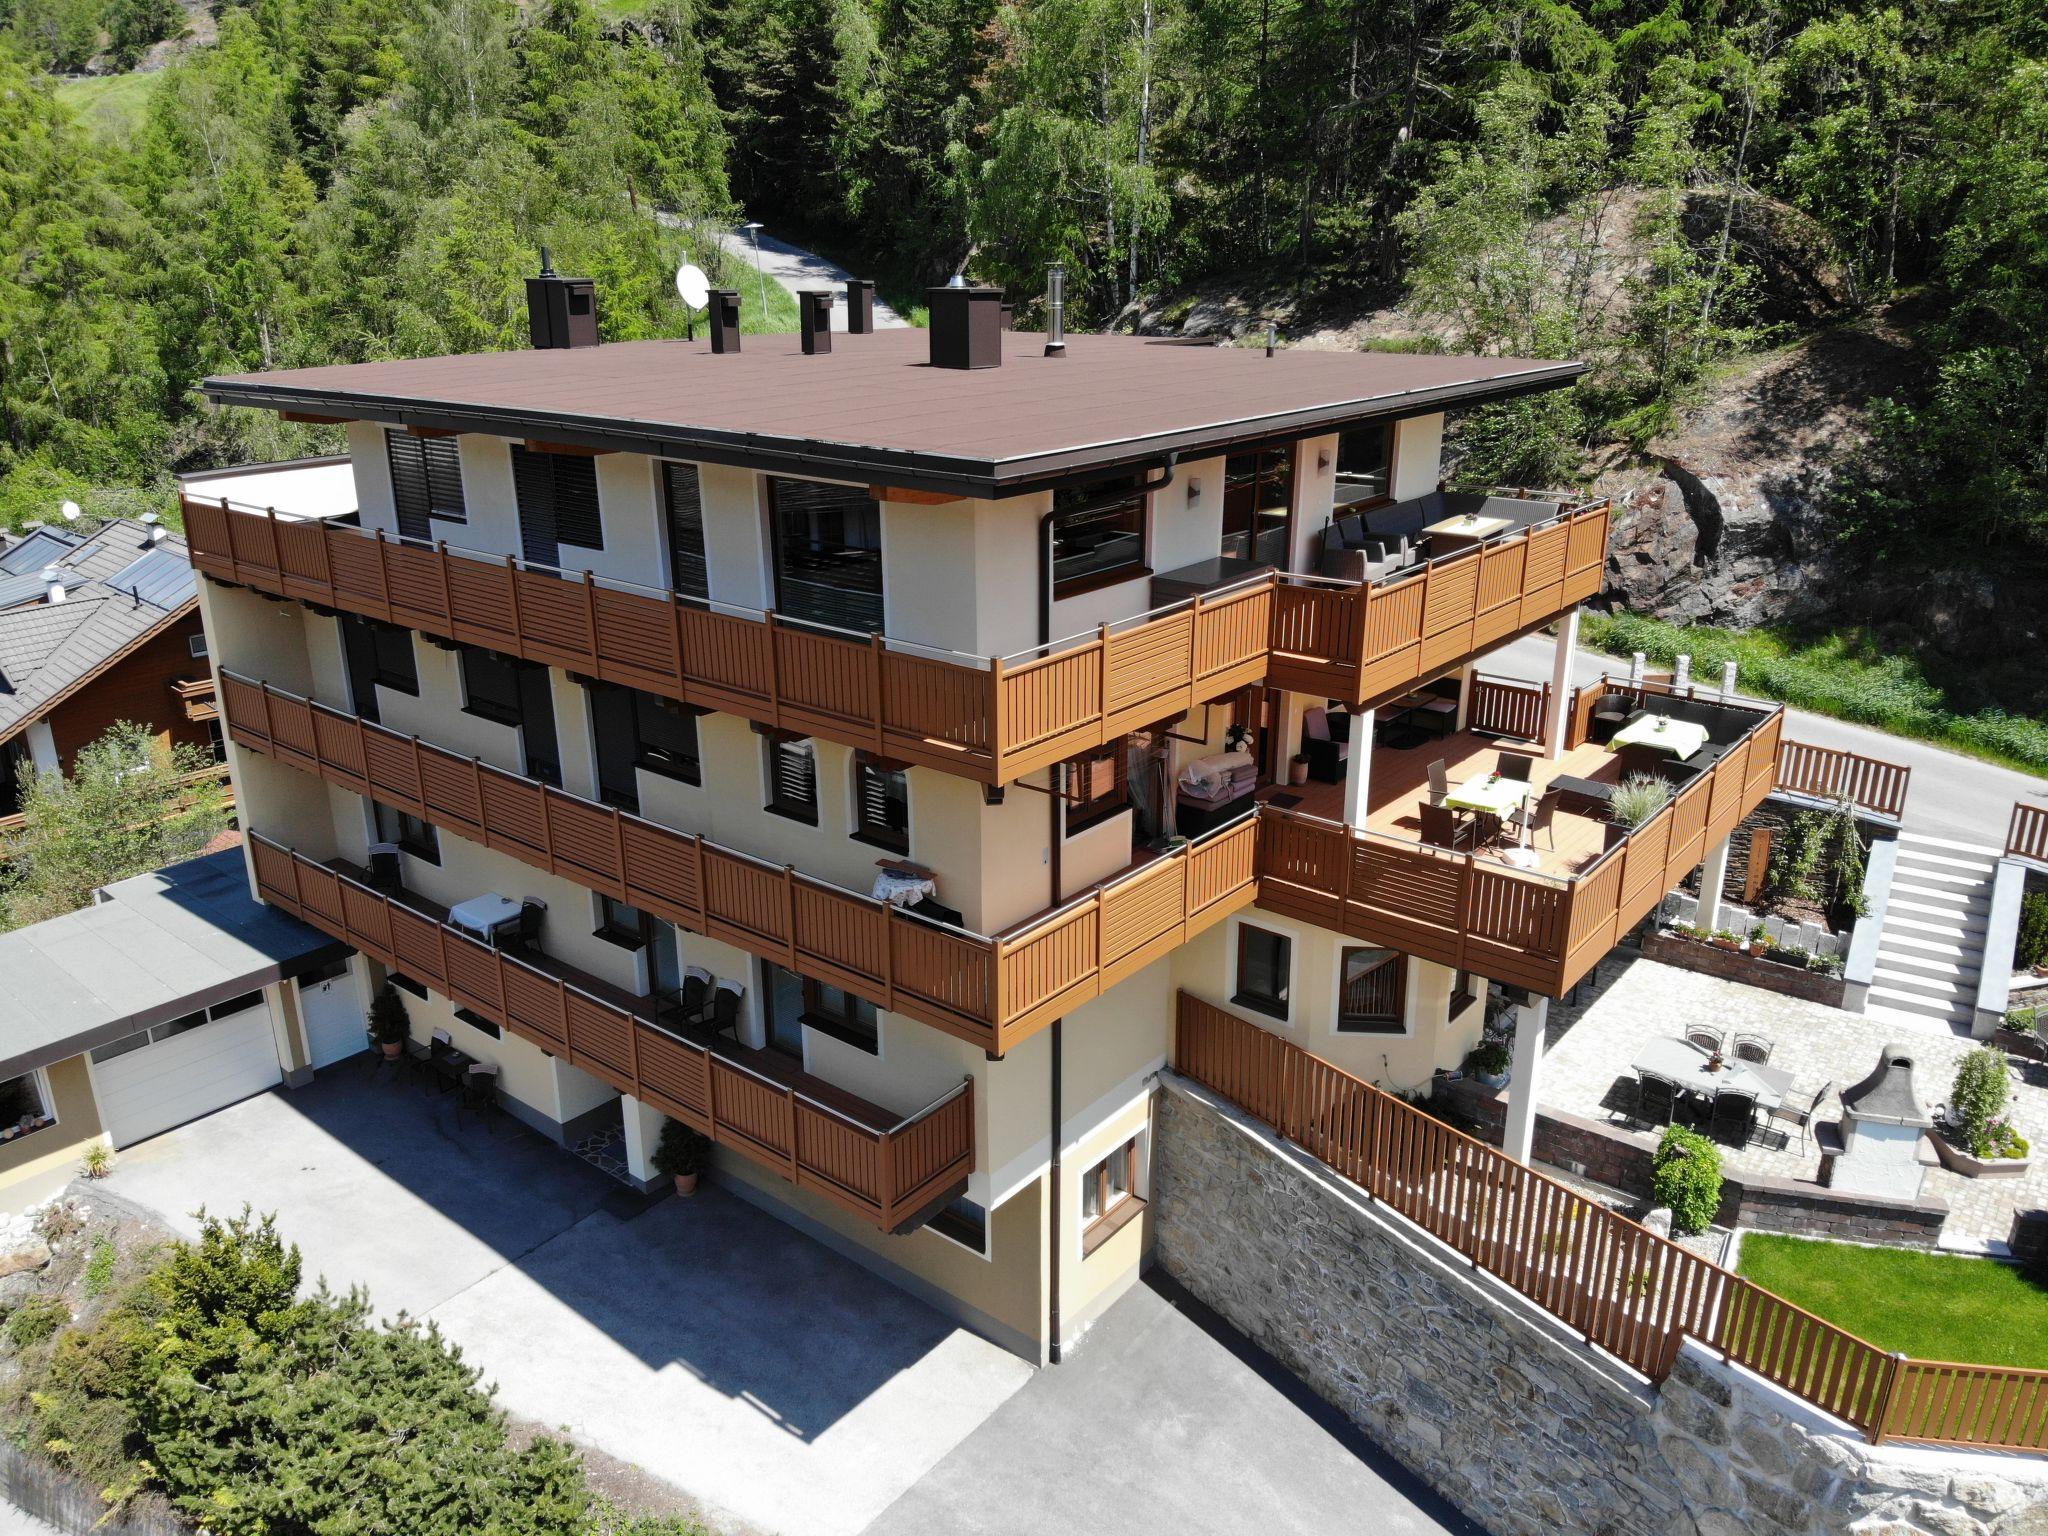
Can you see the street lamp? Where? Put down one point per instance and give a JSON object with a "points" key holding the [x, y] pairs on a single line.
{"points": [[754, 231]]}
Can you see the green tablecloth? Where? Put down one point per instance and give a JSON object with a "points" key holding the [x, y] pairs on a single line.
{"points": [[1495, 796]]}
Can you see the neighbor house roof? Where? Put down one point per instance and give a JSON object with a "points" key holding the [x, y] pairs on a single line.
{"points": [[873, 408], [119, 591], [157, 947]]}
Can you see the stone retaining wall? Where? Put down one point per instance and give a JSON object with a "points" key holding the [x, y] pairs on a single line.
{"points": [[1734, 965], [1498, 1406]]}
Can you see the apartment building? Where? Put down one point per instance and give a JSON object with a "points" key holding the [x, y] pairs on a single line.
{"points": [[853, 746]]}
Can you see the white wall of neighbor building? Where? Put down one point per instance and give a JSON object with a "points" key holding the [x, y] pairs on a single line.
{"points": [[1418, 456]]}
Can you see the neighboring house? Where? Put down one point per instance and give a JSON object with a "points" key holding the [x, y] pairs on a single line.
{"points": [[171, 996], [857, 753], [98, 624]]}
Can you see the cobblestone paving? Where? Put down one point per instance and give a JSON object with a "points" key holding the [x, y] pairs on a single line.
{"points": [[1592, 1041]]}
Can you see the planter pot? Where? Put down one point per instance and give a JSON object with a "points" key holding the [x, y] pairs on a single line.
{"points": [[686, 1183], [1297, 771], [1727, 944], [1756, 950], [391, 1048], [1970, 1166], [1494, 1083]]}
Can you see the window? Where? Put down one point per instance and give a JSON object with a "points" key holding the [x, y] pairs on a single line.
{"points": [[636, 730], [621, 923], [1372, 991], [557, 497], [405, 983], [963, 1222], [519, 694], [377, 654], [25, 1105], [793, 777], [426, 481], [683, 503], [478, 1022], [1365, 456], [1098, 786], [1098, 535], [881, 802], [828, 553], [799, 1001], [1264, 959], [195, 646], [1258, 491], [1109, 1196], [416, 837]]}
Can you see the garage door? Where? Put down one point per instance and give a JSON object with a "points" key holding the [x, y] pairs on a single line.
{"points": [[162, 1077]]}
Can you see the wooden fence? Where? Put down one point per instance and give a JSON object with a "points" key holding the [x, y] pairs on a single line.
{"points": [[993, 992], [993, 720], [1826, 773], [883, 1169], [2027, 836], [1622, 1288], [1507, 706]]}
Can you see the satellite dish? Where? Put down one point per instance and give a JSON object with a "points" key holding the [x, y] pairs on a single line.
{"points": [[692, 286], [70, 511]]}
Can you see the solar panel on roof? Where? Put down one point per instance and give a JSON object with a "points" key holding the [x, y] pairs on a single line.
{"points": [[37, 550], [15, 590], [162, 577]]}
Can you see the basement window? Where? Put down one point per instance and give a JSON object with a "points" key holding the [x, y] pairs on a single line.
{"points": [[25, 1105], [1109, 1197], [1372, 992]]}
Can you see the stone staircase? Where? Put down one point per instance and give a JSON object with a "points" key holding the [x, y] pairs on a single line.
{"points": [[1930, 951]]}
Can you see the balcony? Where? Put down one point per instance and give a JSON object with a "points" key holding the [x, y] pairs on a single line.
{"points": [[888, 1170], [989, 719], [1543, 928], [991, 991]]}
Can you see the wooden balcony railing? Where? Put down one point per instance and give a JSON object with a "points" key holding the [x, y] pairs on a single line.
{"points": [[1826, 773], [2027, 836], [1471, 913], [1623, 1288], [992, 719], [885, 1169], [1508, 706], [195, 694], [992, 991]]}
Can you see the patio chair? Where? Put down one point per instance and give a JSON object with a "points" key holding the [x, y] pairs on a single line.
{"points": [[1441, 826], [480, 1096], [1610, 714], [1734, 1116], [1752, 1048], [1800, 1111], [1439, 782], [1708, 1040], [693, 996], [532, 913], [1657, 1099], [725, 1009], [1538, 817], [1327, 749], [1515, 765]]}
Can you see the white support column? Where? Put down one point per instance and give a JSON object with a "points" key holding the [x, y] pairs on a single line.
{"points": [[1518, 1138], [1465, 675], [1561, 684], [1358, 769], [42, 746], [643, 1134], [1713, 875]]}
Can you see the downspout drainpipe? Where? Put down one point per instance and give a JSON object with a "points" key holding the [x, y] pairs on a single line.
{"points": [[1055, 1179]]}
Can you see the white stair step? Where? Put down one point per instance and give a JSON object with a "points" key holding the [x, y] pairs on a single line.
{"points": [[1939, 988], [1926, 915], [1933, 875], [1913, 1002], [1963, 903], [1914, 858], [1951, 968], [1943, 946], [1922, 840]]}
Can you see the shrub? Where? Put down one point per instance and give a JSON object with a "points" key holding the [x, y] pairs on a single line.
{"points": [[681, 1151], [1977, 1096], [1686, 1176], [1821, 860], [2032, 948], [1636, 799], [1489, 1058], [35, 1320], [2023, 1021], [387, 1016], [99, 1271], [98, 1160]]}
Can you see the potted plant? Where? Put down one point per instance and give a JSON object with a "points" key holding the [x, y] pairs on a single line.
{"points": [[1297, 768], [682, 1155], [388, 1025], [1759, 941], [1636, 799], [1723, 939], [1978, 1138], [1489, 1063]]}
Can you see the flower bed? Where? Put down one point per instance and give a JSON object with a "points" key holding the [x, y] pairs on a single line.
{"points": [[1679, 947]]}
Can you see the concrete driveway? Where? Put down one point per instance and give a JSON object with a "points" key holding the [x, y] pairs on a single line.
{"points": [[1165, 1422], [781, 1386]]}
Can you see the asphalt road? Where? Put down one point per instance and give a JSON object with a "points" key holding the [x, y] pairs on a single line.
{"points": [[1949, 795], [797, 269]]}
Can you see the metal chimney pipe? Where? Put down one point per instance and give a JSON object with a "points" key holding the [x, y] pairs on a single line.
{"points": [[53, 583], [1056, 310]]}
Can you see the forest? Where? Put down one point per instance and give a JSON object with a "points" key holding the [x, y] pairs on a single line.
{"points": [[306, 181]]}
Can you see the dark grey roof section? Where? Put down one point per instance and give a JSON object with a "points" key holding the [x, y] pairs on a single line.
{"points": [[1888, 1095], [159, 945], [21, 589], [162, 577], [36, 550]]}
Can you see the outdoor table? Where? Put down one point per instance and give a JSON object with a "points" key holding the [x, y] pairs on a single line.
{"points": [[1681, 738], [484, 915], [1495, 794], [1682, 1062], [1455, 533]]}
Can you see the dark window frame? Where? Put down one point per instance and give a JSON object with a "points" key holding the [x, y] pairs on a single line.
{"points": [[867, 770], [426, 481], [792, 500], [412, 834], [1112, 509], [682, 514], [572, 513], [612, 930], [1385, 471], [853, 1020], [530, 710], [774, 744], [1273, 1005], [1115, 1207], [1083, 814], [389, 647], [1372, 1024], [1245, 492]]}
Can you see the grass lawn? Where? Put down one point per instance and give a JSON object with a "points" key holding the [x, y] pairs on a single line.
{"points": [[1850, 676], [1934, 1306], [110, 105]]}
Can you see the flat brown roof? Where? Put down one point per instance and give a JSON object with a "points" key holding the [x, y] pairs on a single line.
{"points": [[873, 408]]}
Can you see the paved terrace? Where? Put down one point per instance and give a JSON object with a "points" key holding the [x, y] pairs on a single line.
{"points": [[1592, 1042]]}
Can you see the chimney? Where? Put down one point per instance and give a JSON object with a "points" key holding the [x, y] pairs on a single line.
{"points": [[725, 320], [1056, 310], [814, 309], [53, 584], [860, 306], [154, 527], [560, 311], [966, 327]]}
